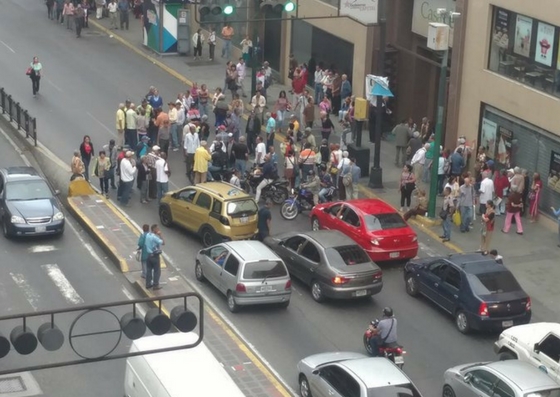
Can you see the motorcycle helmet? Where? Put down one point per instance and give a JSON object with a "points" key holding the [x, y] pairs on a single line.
{"points": [[217, 146], [311, 172], [388, 312]]}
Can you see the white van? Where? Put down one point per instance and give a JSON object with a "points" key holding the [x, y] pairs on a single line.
{"points": [[191, 372]]}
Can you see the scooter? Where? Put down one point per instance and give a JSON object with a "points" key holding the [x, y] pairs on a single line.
{"points": [[302, 201], [391, 351]]}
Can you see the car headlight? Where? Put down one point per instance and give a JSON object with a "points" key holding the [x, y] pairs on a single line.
{"points": [[375, 241], [17, 219], [58, 216]]}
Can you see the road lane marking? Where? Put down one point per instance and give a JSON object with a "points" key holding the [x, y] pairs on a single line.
{"points": [[32, 297], [427, 250], [16, 147], [90, 249], [60, 280], [130, 297], [54, 85], [101, 124], [39, 249], [7, 46]]}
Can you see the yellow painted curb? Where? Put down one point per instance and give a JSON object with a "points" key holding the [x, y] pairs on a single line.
{"points": [[424, 227]]}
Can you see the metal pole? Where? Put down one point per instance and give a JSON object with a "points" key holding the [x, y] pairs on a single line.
{"points": [[255, 57], [376, 174], [442, 90], [161, 15]]}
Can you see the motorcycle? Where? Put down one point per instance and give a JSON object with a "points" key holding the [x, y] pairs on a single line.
{"points": [[224, 174], [277, 190], [391, 351], [302, 201]]}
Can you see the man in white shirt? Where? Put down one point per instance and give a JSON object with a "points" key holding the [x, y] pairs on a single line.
{"points": [[258, 103], [418, 161], [318, 79], [260, 151], [113, 8], [181, 115], [127, 172], [212, 43], [486, 191], [267, 74], [162, 176], [131, 129], [191, 142], [241, 72], [99, 6]]}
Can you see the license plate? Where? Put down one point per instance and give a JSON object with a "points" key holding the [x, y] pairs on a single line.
{"points": [[40, 229], [399, 360], [507, 324], [266, 288], [394, 254], [244, 219], [361, 292]]}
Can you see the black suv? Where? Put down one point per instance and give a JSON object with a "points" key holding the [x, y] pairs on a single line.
{"points": [[479, 292], [27, 204]]}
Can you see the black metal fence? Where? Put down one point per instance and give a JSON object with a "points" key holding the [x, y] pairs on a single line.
{"points": [[16, 114]]}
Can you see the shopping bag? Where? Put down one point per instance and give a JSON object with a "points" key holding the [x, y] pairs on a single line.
{"points": [[457, 218]]}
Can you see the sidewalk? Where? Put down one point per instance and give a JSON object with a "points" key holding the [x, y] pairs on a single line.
{"points": [[532, 257]]}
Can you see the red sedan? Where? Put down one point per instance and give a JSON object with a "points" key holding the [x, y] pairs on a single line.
{"points": [[376, 226]]}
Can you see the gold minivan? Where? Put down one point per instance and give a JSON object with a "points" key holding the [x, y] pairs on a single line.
{"points": [[216, 211]]}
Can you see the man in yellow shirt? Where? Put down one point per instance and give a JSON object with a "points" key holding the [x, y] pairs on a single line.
{"points": [[295, 122], [201, 158], [120, 125], [227, 35], [173, 131]]}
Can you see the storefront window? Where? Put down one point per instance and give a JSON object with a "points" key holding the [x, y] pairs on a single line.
{"points": [[512, 142], [526, 50]]}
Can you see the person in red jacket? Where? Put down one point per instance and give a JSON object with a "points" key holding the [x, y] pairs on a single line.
{"points": [[298, 85], [501, 186]]}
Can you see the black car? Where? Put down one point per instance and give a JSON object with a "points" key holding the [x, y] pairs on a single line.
{"points": [[333, 264], [27, 204], [480, 293]]}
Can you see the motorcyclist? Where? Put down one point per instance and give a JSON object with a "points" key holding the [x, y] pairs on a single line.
{"points": [[313, 184], [385, 332], [269, 174], [326, 186], [219, 162]]}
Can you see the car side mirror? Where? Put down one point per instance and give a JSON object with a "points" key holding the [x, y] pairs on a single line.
{"points": [[175, 195], [316, 372], [281, 243], [536, 348], [467, 378]]}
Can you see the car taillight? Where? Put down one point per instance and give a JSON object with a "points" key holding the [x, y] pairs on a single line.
{"points": [[224, 220], [483, 309], [288, 285], [340, 280], [378, 276], [528, 305], [240, 288]]}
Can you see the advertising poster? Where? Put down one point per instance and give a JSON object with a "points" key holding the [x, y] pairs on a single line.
{"points": [[488, 137], [558, 60], [554, 173], [504, 147], [545, 44], [523, 30], [501, 28]]}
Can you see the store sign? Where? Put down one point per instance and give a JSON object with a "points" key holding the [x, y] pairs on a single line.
{"points": [[425, 11], [523, 31], [364, 11], [501, 29], [554, 172], [545, 44]]}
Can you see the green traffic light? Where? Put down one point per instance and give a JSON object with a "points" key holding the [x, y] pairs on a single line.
{"points": [[289, 6], [228, 10]]}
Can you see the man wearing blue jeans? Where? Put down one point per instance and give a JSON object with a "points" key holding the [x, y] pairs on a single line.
{"points": [[162, 176], [128, 171], [466, 204], [153, 243]]}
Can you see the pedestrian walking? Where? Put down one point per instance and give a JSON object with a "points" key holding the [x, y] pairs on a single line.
{"points": [[447, 212], [344, 162], [466, 202], [79, 19], [513, 210], [264, 219], [50, 9], [162, 176], [556, 213], [252, 129], [487, 229], [86, 152], [101, 169], [141, 250], [406, 187], [127, 173], [99, 6], [77, 166], [121, 121], [60, 11], [124, 9], [35, 72], [327, 127], [68, 13], [198, 41], [201, 158], [112, 7], [270, 129], [154, 241]]}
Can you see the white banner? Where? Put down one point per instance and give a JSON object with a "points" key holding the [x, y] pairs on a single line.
{"points": [[364, 11]]}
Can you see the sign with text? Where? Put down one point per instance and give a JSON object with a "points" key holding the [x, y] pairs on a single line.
{"points": [[364, 11], [425, 11]]}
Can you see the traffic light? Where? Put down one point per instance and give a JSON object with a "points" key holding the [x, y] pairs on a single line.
{"points": [[277, 7], [228, 9], [215, 9]]}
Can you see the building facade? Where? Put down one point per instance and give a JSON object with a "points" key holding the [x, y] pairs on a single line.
{"points": [[508, 88]]}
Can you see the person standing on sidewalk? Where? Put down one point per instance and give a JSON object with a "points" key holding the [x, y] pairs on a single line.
{"points": [[227, 35], [448, 209], [252, 129], [142, 248], [101, 170], [241, 69], [556, 213], [198, 41], [270, 129], [127, 173], [68, 13], [402, 138], [406, 187], [513, 210], [419, 160], [112, 7], [86, 152], [486, 192], [163, 136], [112, 153], [487, 230], [124, 9], [173, 126], [131, 130], [153, 243], [77, 166], [534, 197], [246, 48], [190, 144], [466, 203], [211, 43], [99, 6], [162, 176], [121, 122]]}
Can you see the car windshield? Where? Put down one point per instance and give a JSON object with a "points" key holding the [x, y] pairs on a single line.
{"points": [[493, 283], [544, 393], [406, 390], [346, 255], [28, 190], [384, 221], [264, 269], [242, 207]]}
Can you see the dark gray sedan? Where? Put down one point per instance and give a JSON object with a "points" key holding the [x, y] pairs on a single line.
{"points": [[334, 265]]}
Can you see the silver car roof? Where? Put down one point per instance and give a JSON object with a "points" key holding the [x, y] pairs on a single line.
{"points": [[524, 375], [376, 372], [252, 251]]}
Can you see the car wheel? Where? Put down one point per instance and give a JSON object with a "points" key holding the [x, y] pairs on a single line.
{"points": [[317, 292], [165, 216], [304, 389], [315, 225], [198, 272], [507, 355], [5, 229], [447, 391], [207, 236], [232, 306], [411, 285], [462, 322], [284, 305]]}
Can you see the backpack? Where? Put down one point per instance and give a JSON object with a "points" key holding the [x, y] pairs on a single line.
{"points": [[347, 179]]}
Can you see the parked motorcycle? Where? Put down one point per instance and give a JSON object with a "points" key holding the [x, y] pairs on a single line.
{"points": [[302, 201], [391, 351], [277, 190]]}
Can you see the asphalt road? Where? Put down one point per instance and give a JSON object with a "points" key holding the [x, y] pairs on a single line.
{"points": [[84, 81]]}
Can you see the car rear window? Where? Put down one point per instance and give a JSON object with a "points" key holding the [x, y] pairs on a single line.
{"points": [[260, 270], [493, 283], [28, 190], [242, 207], [348, 254], [384, 221], [406, 390]]}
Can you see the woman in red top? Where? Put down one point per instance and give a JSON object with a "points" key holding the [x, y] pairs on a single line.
{"points": [[487, 231], [534, 197], [86, 151], [501, 186]]}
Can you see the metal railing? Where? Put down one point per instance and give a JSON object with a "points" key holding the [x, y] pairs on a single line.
{"points": [[13, 111]]}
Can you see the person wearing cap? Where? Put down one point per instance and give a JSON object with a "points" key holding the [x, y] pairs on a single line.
{"points": [[201, 158], [264, 217], [131, 130], [191, 142], [121, 121], [127, 172]]}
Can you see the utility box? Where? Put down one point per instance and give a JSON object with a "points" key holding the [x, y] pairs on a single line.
{"points": [[438, 36], [183, 31], [361, 106]]}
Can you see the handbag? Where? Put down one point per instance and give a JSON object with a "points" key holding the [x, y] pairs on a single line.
{"points": [[457, 218], [334, 168], [138, 255], [29, 71], [443, 214]]}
